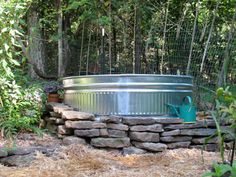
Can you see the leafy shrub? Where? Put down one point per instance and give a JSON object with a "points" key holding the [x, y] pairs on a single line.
{"points": [[225, 111], [20, 107]]}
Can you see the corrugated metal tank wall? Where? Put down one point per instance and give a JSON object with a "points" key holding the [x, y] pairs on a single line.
{"points": [[126, 94]]}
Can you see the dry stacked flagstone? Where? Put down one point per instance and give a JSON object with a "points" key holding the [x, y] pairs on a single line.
{"points": [[132, 134]]}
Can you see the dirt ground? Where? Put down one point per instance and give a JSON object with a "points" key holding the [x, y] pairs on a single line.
{"points": [[81, 161]]}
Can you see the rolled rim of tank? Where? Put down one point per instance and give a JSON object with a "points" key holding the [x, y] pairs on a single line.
{"points": [[127, 94], [125, 75]]}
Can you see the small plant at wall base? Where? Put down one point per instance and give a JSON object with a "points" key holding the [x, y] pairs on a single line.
{"points": [[225, 112], [54, 91]]}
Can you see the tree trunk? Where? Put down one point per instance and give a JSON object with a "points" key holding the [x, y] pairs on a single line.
{"points": [[225, 66], [88, 53], [60, 41], [81, 50], [137, 41], [36, 51], [110, 39], [66, 46], [209, 37], [192, 41]]}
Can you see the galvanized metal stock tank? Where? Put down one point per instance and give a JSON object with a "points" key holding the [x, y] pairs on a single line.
{"points": [[126, 94]]}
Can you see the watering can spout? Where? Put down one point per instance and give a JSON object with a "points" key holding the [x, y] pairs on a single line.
{"points": [[174, 109]]}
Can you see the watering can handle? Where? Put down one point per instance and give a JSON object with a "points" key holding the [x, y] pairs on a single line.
{"points": [[189, 99]]}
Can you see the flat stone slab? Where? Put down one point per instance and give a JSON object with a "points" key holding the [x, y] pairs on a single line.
{"points": [[144, 136], [202, 140], [169, 120], [61, 129], [171, 133], [198, 124], [84, 124], [18, 160], [54, 114], [156, 147], [121, 127], [75, 115], [29, 150], [111, 119], [132, 150], [87, 133], [73, 140], [116, 133], [170, 139], [59, 121], [138, 120], [58, 107], [147, 128], [103, 132], [178, 145], [198, 132], [110, 142]]}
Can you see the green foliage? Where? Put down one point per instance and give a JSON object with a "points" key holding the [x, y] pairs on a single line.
{"points": [[226, 112], [20, 107], [221, 169]]}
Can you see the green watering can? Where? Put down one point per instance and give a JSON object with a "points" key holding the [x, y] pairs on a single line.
{"points": [[185, 111]]}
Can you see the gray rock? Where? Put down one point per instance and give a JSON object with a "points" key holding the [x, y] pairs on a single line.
{"points": [[139, 120], [73, 140], [121, 127], [207, 147], [147, 128], [178, 145], [170, 139], [202, 140], [198, 132], [132, 150], [51, 127], [110, 142], [111, 119], [75, 115], [144, 136], [50, 119], [61, 129], [60, 136], [59, 121], [21, 151], [103, 132], [116, 133], [168, 120], [3, 152], [54, 114], [171, 133], [18, 160], [60, 108], [198, 124], [29, 150], [84, 124], [156, 147], [87, 133]]}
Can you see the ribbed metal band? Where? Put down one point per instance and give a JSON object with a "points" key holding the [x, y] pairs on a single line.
{"points": [[126, 94]]}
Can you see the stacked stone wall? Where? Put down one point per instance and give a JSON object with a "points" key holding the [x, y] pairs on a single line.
{"points": [[139, 134]]}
